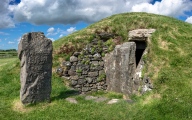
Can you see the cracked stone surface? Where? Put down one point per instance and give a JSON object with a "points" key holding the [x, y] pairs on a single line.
{"points": [[35, 54]]}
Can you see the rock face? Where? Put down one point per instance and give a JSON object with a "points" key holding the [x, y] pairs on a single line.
{"points": [[120, 67], [35, 54]]}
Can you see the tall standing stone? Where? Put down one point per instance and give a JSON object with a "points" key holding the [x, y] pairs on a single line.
{"points": [[120, 68], [35, 54]]}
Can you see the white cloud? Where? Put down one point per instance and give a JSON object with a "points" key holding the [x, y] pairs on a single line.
{"points": [[10, 42], [165, 7], [5, 12], [189, 19], [52, 12], [52, 39], [50, 30], [71, 29], [70, 11], [60, 35]]}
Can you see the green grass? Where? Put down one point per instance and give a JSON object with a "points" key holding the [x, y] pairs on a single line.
{"points": [[8, 54], [5, 61], [168, 62]]}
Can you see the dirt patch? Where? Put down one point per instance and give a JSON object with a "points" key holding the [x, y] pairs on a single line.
{"points": [[19, 107], [164, 45]]}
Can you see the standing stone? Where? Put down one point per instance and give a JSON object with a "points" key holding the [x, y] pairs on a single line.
{"points": [[120, 67], [35, 54]]}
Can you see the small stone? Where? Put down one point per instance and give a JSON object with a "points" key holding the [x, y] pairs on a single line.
{"points": [[99, 87], [113, 101], [84, 72], [73, 59], [76, 54], [90, 98], [94, 86], [97, 55], [67, 64], [73, 82], [101, 99], [77, 86], [73, 68], [95, 63], [93, 74], [93, 90], [59, 71], [89, 80], [74, 77], [101, 63], [81, 81], [71, 100], [105, 36], [71, 73], [85, 89]]}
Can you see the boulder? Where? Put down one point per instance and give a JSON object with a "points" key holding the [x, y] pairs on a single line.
{"points": [[120, 67], [35, 54]]}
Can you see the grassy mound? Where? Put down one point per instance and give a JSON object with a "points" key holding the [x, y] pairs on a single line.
{"points": [[169, 66]]}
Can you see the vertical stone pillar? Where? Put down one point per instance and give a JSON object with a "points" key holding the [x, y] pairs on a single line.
{"points": [[35, 54], [120, 68]]}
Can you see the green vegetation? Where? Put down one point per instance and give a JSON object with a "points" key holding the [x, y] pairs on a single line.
{"points": [[101, 77], [169, 67], [8, 53]]}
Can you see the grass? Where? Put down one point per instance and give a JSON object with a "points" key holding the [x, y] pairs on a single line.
{"points": [[8, 54], [168, 62]]}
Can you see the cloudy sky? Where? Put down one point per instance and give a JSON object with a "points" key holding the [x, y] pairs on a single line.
{"points": [[57, 18]]}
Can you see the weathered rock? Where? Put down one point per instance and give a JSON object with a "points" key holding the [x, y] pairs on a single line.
{"points": [[90, 98], [95, 63], [67, 63], [71, 100], [72, 73], [140, 34], [74, 82], [113, 101], [101, 63], [35, 53], [93, 74], [74, 77], [85, 89], [73, 59], [101, 99], [76, 54], [105, 36], [120, 67], [59, 71], [89, 80]]}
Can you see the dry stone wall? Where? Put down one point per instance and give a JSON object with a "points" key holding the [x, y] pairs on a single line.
{"points": [[95, 68], [85, 69], [35, 54]]}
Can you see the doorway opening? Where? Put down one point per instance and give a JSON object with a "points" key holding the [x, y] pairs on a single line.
{"points": [[140, 48]]}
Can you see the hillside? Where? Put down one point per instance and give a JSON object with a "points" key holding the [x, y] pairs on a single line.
{"points": [[169, 67]]}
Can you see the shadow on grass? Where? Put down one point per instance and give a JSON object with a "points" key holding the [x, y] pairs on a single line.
{"points": [[65, 94]]}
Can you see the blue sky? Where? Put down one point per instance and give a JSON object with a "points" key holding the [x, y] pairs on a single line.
{"points": [[58, 18]]}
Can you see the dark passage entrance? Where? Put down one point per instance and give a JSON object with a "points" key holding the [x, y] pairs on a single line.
{"points": [[140, 48]]}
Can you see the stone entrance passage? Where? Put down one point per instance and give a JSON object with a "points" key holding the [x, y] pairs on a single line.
{"points": [[35, 54], [140, 48], [123, 66]]}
